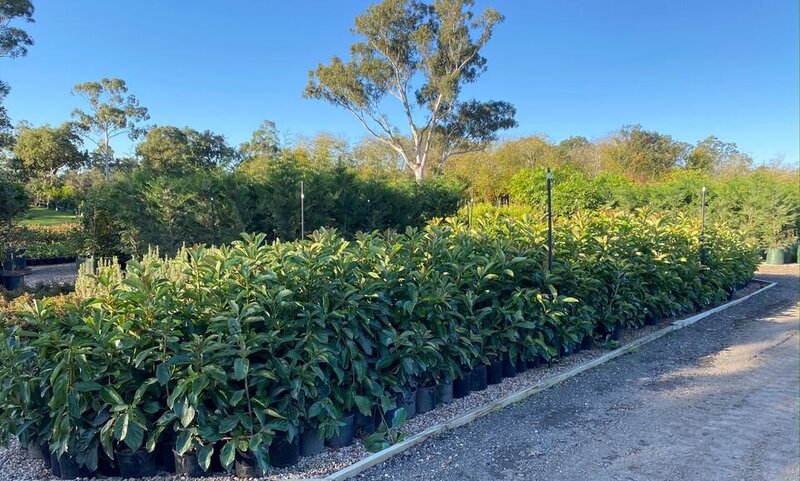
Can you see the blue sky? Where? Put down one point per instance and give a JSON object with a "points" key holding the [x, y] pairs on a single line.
{"points": [[577, 67]]}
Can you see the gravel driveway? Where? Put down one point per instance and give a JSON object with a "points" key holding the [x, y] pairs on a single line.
{"points": [[715, 401]]}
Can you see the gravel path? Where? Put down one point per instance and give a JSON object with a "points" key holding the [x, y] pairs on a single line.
{"points": [[717, 400], [58, 273]]}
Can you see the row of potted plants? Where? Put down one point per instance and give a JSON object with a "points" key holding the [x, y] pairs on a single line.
{"points": [[249, 354]]}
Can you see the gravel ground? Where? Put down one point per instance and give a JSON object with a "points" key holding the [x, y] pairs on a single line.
{"points": [[435, 459], [717, 400], [57, 273]]}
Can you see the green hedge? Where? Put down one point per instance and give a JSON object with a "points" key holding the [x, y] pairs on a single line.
{"points": [[242, 343]]}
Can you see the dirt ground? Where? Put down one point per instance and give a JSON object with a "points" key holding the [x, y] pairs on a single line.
{"points": [[715, 401]]}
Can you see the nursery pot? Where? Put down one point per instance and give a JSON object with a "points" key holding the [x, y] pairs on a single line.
{"points": [[509, 368], [345, 435], [445, 392], [587, 342], [165, 459], [461, 386], [310, 442], [775, 256], [11, 281], [478, 378], [426, 399], [136, 464], [532, 364], [282, 452], [187, 464], [651, 319], [69, 468], [408, 402], [616, 334], [55, 465], [521, 366], [494, 374], [44, 448], [365, 425], [246, 465], [106, 466]]}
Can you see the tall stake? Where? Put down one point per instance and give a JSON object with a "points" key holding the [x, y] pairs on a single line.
{"points": [[302, 212], [471, 204], [549, 220], [703, 225]]}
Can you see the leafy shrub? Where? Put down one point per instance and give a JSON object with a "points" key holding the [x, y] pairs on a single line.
{"points": [[48, 241], [234, 345]]}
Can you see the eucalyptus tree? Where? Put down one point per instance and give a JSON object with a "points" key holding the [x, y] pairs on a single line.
{"points": [[14, 41], [422, 55], [43, 151], [112, 112]]}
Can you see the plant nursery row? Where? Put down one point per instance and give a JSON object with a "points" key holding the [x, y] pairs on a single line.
{"points": [[248, 355]]}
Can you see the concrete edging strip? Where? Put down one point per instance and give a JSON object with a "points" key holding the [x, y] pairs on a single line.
{"points": [[381, 456]]}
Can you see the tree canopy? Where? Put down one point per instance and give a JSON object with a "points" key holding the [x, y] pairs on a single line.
{"points": [[112, 112], [172, 149], [404, 41], [14, 41]]}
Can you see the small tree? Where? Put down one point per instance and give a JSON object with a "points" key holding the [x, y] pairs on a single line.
{"points": [[405, 41], [111, 113], [45, 150]]}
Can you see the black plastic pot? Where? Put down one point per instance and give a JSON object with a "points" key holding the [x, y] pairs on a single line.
{"points": [[461, 386], [44, 448], [409, 403], [576, 348], [310, 442], [136, 464], [509, 368], [426, 399], [345, 435], [187, 464], [106, 466], [494, 374], [478, 378], [165, 459], [616, 334], [55, 465], [12, 281], [284, 453], [246, 466], [651, 319], [532, 364], [69, 469], [365, 425], [588, 342], [521, 366], [445, 392]]}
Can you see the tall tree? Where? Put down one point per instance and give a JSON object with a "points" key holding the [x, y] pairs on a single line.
{"points": [[14, 41], [645, 154], [111, 113], [716, 157], [179, 150], [263, 143], [422, 55], [45, 150]]}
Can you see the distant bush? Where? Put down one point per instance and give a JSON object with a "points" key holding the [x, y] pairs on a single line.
{"points": [[213, 207]]}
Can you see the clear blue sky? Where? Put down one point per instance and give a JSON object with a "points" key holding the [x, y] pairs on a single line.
{"points": [[578, 67]]}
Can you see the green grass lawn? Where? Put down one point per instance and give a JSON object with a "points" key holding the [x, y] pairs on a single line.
{"points": [[45, 216]]}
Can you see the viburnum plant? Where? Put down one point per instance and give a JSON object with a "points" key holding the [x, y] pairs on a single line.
{"points": [[219, 351]]}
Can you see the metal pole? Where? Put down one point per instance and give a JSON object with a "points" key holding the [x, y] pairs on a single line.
{"points": [[549, 220], [302, 212], [703, 225], [471, 203]]}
